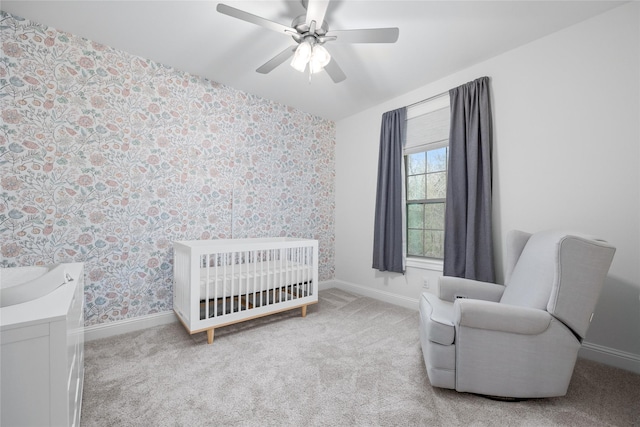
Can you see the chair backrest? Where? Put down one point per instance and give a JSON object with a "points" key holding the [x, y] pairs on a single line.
{"points": [[516, 241], [562, 273]]}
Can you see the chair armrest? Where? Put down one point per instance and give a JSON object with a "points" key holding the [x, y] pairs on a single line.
{"points": [[452, 288], [500, 317]]}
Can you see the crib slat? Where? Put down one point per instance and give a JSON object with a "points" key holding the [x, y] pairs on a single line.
{"points": [[303, 265], [283, 276], [298, 272], [291, 268], [274, 279], [245, 268], [233, 279], [294, 270], [240, 275], [225, 277], [255, 277], [310, 262], [261, 276], [215, 285], [206, 288], [303, 268], [313, 270], [307, 260], [287, 265], [266, 277], [279, 278]]}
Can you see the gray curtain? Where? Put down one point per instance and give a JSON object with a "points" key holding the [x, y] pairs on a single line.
{"points": [[468, 243], [387, 238]]}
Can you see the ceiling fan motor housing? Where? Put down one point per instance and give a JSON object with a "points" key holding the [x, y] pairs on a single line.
{"points": [[303, 28]]}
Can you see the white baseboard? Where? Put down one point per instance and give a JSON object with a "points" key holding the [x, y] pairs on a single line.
{"points": [[606, 355], [105, 330], [610, 356], [111, 329], [327, 284], [385, 296]]}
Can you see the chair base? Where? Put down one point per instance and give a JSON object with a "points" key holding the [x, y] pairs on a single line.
{"points": [[503, 399]]}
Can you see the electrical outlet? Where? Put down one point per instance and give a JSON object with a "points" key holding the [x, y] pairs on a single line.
{"points": [[425, 283]]}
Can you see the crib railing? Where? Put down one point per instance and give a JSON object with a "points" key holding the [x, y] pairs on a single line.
{"points": [[219, 282]]}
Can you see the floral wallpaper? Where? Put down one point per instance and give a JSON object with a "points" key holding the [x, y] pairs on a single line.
{"points": [[107, 158]]}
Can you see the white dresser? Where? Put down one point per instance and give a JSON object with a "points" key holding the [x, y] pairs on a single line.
{"points": [[42, 359]]}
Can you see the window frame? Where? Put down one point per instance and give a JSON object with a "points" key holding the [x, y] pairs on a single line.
{"points": [[413, 147]]}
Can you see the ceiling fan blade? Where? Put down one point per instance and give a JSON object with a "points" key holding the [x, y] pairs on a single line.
{"points": [[316, 10], [268, 66], [372, 35], [334, 71], [248, 17]]}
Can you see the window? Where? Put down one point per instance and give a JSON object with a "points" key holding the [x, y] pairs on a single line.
{"points": [[426, 159], [426, 196]]}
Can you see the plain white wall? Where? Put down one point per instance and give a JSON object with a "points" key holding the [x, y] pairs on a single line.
{"points": [[566, 155]]}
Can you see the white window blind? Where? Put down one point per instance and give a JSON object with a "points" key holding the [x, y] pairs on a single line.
{"points": [[428, 125]]}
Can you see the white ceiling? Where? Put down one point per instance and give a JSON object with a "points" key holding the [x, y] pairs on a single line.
{"points": [[437, 38]]}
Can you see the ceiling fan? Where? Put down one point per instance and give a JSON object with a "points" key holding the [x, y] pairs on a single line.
{"points": [[311, 32]]}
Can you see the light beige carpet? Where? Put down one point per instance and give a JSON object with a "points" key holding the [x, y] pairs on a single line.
{"points": [[353, 361]]}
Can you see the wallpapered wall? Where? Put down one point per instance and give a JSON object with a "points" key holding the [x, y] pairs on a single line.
{"points": [[107, 158]]}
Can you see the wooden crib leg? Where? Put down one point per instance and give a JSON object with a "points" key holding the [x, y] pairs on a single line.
{"points": [[304, 311], [210, 336]]}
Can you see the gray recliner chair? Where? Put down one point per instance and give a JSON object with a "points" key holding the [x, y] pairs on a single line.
{"points": [[520, 340]]}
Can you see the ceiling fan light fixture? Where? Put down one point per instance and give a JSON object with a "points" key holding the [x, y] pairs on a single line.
{"points": [[302, 56], [320, 57], [311, 30]]}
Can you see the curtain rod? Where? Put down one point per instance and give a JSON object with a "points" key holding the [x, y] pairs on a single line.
{"points": [[428, 99]]}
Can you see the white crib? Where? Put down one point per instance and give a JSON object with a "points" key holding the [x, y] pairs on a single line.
{"points": [[221, 282]]}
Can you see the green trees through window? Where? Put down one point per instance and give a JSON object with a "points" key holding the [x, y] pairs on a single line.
{"points": [[426, 187]]}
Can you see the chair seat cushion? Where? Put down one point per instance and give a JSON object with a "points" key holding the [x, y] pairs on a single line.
{"points": [[436, 317]]}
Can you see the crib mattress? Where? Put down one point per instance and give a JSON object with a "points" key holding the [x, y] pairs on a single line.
{"points": [[251, 277]]}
